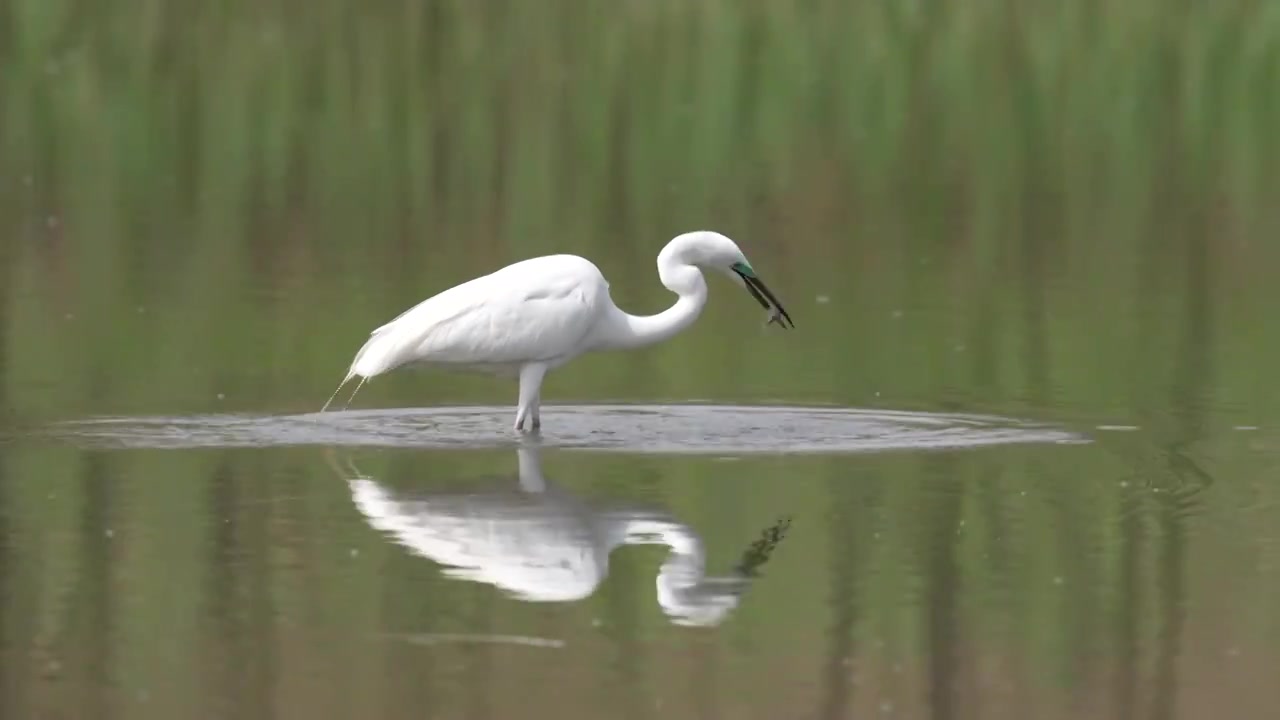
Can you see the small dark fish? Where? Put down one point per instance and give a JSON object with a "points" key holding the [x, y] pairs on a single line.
{"points": [[774, 317]]}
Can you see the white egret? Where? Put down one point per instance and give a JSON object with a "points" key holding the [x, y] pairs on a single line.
{"points": [[535, 315]]}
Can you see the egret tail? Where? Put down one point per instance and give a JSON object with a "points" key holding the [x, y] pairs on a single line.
{"points": [[355, 369]]}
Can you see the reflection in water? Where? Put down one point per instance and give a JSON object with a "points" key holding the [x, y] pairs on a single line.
{"points": [[542, 544], [97, 593]]}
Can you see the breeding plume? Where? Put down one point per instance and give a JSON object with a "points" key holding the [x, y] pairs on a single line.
{"points": [[538, 314]]}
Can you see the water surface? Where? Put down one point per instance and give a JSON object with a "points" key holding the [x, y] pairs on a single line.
{"points": [[685, 428]]}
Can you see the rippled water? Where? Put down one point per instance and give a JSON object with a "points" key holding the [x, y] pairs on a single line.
{"points": [[687, 428]]}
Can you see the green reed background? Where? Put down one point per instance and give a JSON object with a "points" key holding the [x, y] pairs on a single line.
{"points": [[1057, 209], [212, 193]]}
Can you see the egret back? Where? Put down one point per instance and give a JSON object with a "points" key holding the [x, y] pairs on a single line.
{"points": [[537, 310]]}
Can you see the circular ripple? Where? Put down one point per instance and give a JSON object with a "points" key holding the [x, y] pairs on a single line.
{"points": [[633, 428]]}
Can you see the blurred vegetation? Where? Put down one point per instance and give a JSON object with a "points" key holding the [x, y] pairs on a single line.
{"points": [[1055, 209], [1004, 202]]}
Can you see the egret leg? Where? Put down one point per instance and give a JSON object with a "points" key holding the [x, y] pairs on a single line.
{"points": [[530, 387]]}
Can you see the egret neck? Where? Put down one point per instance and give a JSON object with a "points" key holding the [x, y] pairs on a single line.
{"points": [[624, 330]]}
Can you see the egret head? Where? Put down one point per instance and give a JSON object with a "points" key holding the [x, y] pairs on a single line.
{"points": [[712, 250]]}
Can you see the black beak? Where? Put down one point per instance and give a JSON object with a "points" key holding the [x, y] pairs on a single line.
{"points": [[767, 300]]}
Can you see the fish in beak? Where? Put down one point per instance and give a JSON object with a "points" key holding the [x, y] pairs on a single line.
{"points": [[767, 300]]}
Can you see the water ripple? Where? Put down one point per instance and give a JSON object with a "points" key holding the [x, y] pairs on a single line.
{"points": [[680, 428]]}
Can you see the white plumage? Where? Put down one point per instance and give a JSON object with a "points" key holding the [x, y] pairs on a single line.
{"points": [[537, 314], [498, 319]]}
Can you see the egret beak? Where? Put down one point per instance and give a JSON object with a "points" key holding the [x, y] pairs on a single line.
{"points": [[767, 300]]}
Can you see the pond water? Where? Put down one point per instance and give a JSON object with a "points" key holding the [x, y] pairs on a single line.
{"points": [[1017, 459], [684, 428], [687, 560]]}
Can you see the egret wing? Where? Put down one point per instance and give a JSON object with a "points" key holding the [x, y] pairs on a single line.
{"points": [[536, 310]]}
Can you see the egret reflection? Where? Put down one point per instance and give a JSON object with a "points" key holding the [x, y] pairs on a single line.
{"points": [[540, 543]]}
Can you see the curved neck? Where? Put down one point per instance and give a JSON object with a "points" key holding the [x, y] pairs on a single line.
{"points": [[625, 330]]}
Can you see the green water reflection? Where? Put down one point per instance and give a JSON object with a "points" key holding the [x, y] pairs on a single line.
{"points": [[1063, 212], [1022, 580]]}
